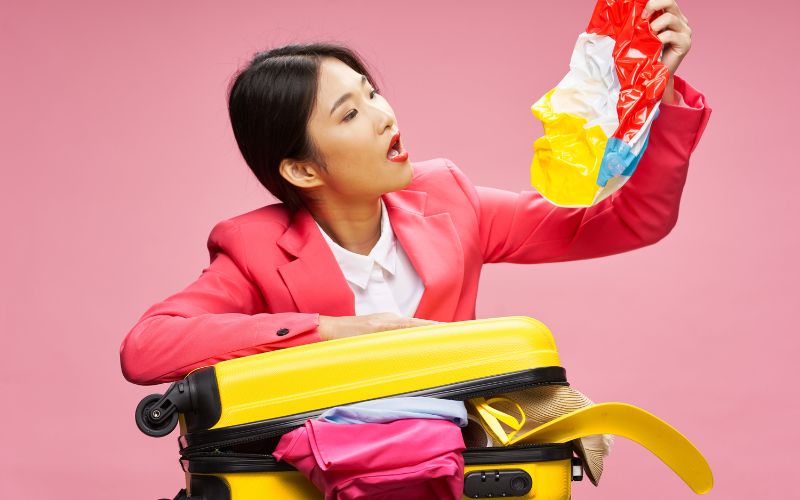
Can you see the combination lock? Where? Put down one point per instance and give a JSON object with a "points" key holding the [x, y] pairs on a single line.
{"points": [[506, 483]]}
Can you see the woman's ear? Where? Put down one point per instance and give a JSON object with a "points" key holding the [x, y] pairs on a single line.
{"points": [[301, 174]]}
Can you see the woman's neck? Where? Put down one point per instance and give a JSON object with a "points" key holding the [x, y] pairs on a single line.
{"points": [[354, 226]]}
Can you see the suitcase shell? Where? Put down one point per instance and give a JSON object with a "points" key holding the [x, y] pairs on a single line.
{"points": [[248, 403], [541, 472]]}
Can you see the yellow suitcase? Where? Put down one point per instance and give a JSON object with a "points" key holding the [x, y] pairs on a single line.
{"points": [[232, 414]]}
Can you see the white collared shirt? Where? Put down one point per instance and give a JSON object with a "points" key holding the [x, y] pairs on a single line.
{"points": [[383, 281]]}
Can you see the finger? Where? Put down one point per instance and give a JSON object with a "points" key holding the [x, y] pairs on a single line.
{"points": [[406, 323], [666, 5], [679, 42], [669, 21], [423, 322]]}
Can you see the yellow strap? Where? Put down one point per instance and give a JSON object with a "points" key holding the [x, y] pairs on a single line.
{"points": [[492, 415], [628, 421]]}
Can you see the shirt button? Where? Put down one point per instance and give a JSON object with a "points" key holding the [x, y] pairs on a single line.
{"points": [[282, 332]]}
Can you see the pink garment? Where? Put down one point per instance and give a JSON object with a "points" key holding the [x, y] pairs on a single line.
{"points": [[410, 458]]}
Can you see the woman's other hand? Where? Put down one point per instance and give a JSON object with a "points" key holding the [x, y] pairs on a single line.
{"points": [[672, 28], [337, 327]]}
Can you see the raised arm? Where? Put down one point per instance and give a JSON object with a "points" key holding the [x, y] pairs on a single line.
{"points": [[217, 317], [525, 228]]}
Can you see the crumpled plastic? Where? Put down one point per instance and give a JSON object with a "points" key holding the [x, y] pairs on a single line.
{"points": [[597, 119]]}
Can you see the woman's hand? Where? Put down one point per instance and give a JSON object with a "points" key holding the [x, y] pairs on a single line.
{"points": [[672, 28], [336, 327]]}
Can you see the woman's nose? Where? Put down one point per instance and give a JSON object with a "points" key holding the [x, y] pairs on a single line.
{"points": [[386, 120]]}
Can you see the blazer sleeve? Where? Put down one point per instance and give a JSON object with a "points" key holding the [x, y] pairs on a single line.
{"points": [[525, 228], [217, 317]]}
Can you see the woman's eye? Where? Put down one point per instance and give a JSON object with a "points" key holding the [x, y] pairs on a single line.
{"points": [[352, 115]]}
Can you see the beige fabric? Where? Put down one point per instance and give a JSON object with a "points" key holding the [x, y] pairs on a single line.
{"points": [[475, 436], [540, 405]]}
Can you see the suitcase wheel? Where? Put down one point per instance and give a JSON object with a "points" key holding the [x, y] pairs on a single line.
{"points": [[147, 417]]}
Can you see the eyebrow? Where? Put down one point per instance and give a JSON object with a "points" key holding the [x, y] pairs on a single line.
{"points": [[346, 96]]}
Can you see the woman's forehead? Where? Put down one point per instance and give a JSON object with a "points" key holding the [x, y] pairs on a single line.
{"points": [[337, 78]]}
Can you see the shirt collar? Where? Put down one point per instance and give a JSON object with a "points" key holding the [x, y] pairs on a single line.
{"points": [[357, 267]]}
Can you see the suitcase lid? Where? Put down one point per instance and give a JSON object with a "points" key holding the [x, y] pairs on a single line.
{"points": [[455, 360]]}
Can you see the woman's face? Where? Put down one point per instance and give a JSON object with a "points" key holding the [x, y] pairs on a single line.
{"points": [[353, 136]]}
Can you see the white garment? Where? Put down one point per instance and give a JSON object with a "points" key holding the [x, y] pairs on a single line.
{"points": [[383, 281]]}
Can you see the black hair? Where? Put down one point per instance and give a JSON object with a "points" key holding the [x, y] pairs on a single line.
{"points": [[270, 102]]}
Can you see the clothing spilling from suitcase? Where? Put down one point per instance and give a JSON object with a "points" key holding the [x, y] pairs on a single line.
{"points": [[469, 409], [411, 447]]}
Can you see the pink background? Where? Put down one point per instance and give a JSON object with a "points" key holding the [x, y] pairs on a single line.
{"points": [[117, 159]]}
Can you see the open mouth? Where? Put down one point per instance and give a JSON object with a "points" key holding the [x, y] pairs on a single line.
{"points": [[396, 150]]}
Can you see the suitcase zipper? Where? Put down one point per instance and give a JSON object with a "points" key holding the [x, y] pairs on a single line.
{"points": [[228, 462], [204, 441]]}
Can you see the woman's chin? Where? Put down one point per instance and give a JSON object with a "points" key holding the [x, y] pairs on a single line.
{"points": [[408, 173], [401, 175], [401, 179]]}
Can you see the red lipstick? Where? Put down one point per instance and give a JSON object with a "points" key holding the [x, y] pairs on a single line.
{"points": [[396, 152]]}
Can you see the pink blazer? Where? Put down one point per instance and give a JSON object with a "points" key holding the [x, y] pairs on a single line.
{"points": [[271, 276]]}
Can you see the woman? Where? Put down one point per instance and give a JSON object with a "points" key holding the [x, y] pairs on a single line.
{"points": [[365, 240]]}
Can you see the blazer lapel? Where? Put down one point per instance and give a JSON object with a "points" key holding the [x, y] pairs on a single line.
{"points": [[434, 248], [314, 278], [431, 242]]}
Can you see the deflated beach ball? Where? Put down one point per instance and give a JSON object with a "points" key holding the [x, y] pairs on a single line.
{"points": [[597, 119]]}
